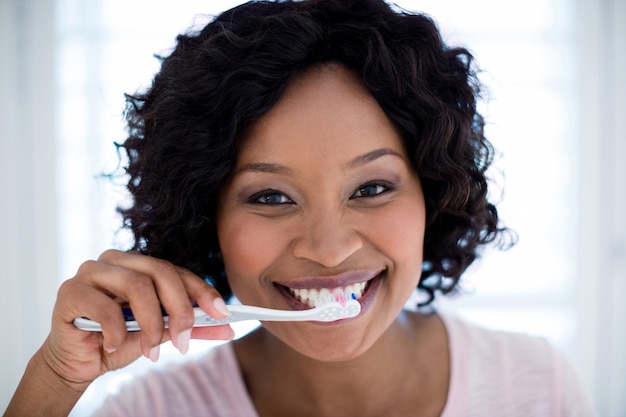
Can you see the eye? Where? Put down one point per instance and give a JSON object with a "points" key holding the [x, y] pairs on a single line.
{"points": [[270, 197], [371, 190]]}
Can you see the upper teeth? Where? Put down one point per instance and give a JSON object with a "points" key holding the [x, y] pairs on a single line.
{"points": [[315, 296]]}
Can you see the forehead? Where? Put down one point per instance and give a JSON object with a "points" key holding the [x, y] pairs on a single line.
{"points": [[325, 113]]}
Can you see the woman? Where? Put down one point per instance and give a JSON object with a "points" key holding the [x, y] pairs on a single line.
{"points": [[285, 148]]}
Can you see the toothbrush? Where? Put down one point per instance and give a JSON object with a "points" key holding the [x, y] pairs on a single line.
{"points": [[325, 312]]}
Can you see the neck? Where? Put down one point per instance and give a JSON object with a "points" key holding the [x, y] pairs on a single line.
{"points": [[406, 367]]}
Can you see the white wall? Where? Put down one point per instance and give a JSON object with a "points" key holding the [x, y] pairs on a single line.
{"points": [[602, 123], [28, 235]]}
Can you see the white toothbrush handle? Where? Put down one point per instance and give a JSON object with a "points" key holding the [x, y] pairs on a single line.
{"points": [[327, 312]]}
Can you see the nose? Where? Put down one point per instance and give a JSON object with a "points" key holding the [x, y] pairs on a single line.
{"points": [[327, 239]]}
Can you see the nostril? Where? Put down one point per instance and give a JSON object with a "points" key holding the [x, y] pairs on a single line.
{"points": [[329, 250]]}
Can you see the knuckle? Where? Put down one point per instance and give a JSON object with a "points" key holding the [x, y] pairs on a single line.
{"points": [[209, 292], [186, 319], [153, 335], [116, 337], [184, 272], [109, 313], [109, 255], [66, 288], [138, 283], [87, 268], [162, 267]]}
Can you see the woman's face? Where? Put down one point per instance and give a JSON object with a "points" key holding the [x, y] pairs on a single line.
{"points": [[324, 196]]}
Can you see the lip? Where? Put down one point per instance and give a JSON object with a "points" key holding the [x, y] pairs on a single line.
{"points": [[340, 280], [373, 278]]}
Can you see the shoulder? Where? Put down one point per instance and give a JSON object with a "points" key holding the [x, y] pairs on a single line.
{"points": [[512, 373], [485, 346], [210, 385]]}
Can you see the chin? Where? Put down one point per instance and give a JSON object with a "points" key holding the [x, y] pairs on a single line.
{"points": [[324, 345], [331, 354]]}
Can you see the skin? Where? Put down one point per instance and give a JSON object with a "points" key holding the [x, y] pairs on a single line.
{"points": [[324, 192], [70, 359], [345, 204]]}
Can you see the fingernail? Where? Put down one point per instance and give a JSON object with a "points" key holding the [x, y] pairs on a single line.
{"points": [[154, 353], [182, 341], [231, 336], [110, 350], [220, 306]]}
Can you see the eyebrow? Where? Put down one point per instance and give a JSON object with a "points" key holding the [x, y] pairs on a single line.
{"points": [[271, 168], [266, 167], [371, 156]]}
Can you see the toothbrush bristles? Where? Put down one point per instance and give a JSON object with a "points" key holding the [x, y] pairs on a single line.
{"points": [[338, 297], [341, 300]]}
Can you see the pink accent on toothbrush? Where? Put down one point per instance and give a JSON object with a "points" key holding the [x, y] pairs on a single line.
{"points": [[341, 300]]}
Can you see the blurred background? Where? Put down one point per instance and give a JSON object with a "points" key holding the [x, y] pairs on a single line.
{"points": [[555, 72]]}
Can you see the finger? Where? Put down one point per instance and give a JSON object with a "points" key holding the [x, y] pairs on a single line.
{"points": [[134, 287], [205, 295], [223, 332], [176, 287], [80, 300], [129, 351], [170, 290]]}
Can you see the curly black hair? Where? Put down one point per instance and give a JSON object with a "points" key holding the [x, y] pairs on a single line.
{"points": [[184, 130]]}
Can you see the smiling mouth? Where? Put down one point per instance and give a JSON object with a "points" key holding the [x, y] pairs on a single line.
{"points": [[315, 296]]}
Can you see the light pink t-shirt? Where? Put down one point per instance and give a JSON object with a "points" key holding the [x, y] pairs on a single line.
{"points": [[492, 374]]}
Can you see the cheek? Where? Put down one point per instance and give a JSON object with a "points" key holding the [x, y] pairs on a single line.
{"points": [[248, 248], [400, 234]]}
